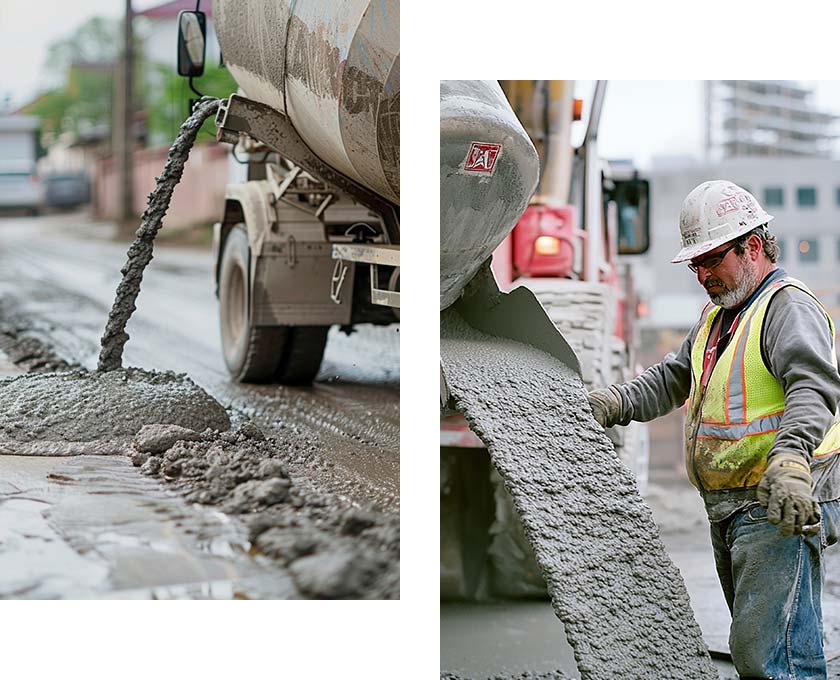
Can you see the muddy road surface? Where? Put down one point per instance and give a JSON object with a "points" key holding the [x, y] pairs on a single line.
{"points": [[340, 438]]}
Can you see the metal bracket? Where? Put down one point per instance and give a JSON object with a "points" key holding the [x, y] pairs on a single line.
{"points": [[338, 276], [280, 188], [291, 252], [374, 255]]}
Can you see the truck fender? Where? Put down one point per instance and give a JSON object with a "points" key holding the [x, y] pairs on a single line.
{"points": [[248, 203]]}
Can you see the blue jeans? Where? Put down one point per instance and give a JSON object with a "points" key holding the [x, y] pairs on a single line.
{"points": [[773, 585]]}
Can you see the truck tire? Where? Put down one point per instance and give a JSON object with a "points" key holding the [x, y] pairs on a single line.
{"points": [[303, 350], [290, 355], [584, 314], [251, 353]]}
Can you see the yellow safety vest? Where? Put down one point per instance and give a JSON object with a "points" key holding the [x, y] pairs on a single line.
{"points": [[730, 426]]}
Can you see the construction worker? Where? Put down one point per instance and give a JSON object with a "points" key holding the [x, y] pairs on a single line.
{"points": [[758, 375]]}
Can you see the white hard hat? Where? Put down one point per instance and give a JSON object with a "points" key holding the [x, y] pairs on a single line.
{"points": [[716, 212]]}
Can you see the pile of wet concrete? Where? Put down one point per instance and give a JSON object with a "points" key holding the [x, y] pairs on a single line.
{"points": [[622, 601], [330, 551], [331, 547]]}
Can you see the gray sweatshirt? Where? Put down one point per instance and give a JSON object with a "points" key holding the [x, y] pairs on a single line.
{"points": [[797, 346]]}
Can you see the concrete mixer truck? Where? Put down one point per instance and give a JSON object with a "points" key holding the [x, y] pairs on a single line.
{"points": [[552, 218], [311, 240]]}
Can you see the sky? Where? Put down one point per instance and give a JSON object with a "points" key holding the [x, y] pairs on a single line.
{"points": [[27, 27], [643, 119]]}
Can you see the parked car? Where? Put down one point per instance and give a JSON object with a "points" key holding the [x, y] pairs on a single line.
{"points": [[20, 186], [67, 189]]}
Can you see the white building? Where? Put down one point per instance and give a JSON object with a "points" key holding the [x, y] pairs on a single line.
{"points": [[765, 118]]}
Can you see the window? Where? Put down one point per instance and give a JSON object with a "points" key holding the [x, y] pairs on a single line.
{"points": [[781, 243], [809, 250], [837, 196], [773, 197], [806, 197]]}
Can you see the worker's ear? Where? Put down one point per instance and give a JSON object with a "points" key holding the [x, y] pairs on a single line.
{"points": [[754, 246]]}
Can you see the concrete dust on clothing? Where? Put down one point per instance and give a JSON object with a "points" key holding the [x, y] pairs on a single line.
{"points": [[622, 601]]}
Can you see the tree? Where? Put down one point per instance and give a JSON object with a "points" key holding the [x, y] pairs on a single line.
{"points": [[85, 63], [98, 40], [170, 107]]}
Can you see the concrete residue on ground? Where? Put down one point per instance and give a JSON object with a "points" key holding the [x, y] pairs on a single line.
{"points": [[622, 601], [25, 351], [330, 551]]}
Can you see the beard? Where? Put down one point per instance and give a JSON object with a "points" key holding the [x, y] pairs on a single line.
{"points": [[732, 297]]}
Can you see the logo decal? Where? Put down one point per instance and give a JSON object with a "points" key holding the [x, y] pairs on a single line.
{"points": [[733, 203], [481, 158]]}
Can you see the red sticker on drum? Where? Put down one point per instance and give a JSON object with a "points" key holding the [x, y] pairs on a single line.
{"points": [[482, 157]]}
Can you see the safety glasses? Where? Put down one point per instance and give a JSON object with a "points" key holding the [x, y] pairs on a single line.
{"points": [[711, 261]]}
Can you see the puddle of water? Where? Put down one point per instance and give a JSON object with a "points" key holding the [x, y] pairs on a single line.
{"points": [[91, 527]]}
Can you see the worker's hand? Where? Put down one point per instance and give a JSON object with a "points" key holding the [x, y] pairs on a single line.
{"points": [[606, 405], [787, 491]]}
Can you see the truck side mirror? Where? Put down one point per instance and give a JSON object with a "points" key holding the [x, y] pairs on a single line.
{"points": [[192, 33], [632, 199]]}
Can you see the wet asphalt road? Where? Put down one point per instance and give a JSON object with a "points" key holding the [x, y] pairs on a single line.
{"points": [[60, 273]]}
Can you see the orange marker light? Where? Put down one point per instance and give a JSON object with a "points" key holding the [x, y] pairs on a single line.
{"points": [[577, 109], [547, 245]]}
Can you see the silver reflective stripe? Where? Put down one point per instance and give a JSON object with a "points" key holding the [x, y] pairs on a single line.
{"points": [[735, 405], [733, 432]]}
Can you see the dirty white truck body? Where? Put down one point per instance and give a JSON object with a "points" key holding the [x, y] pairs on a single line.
{"points": [[312, 239]]}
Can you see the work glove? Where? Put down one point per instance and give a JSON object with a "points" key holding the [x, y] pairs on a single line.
{"points": [[606, 405], [786, 490]]}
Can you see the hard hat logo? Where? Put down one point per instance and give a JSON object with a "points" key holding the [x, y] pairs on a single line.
{"points": [[714, 213], [731, 204]]}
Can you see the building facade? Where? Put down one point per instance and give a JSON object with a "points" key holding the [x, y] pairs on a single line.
{"points": [[765, 118]]}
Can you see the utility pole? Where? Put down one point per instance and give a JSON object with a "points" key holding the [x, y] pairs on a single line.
{"points": [[125, 126]]}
